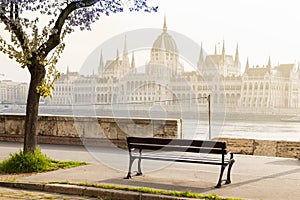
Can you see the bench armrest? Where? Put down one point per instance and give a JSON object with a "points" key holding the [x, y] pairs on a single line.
{"points": [[230, 154]]}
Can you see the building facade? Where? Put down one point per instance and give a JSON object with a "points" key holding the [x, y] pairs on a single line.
{"points": [[13, 92], [164, 80]]}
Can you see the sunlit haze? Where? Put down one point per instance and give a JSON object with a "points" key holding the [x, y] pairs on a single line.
{"points": [[260, 28]]}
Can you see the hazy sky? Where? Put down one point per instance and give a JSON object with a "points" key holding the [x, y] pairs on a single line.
{"points": [[261, 28]]}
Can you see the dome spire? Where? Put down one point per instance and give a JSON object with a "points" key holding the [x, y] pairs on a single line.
{"points": [[165, 24]]}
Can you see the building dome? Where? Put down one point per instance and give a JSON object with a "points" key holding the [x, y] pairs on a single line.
{"points": [[165, 42]]}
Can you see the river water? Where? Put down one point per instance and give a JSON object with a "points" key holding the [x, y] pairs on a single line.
{"points": [[264, 130]]}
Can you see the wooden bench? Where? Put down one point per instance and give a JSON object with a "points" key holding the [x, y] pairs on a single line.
{"points": [[198, 151]]}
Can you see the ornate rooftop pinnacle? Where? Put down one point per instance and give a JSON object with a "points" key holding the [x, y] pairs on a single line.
{"points": [[165, 24], [125, 51], [236, 59], [223, 49]]}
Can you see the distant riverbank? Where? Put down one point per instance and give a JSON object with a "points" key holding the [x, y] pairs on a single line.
{"points": [[150, 113]]}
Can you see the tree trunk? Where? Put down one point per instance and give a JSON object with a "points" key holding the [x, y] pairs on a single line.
{"points": [[37, 73]]}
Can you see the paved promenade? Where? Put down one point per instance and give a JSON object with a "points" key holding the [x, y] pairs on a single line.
{"points": [[253, 177]]}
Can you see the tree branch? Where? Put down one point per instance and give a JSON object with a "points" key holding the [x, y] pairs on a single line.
{"points": [[54, 39], [15, 29]]}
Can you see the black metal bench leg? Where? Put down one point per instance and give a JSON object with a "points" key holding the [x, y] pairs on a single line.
{"points": [[220, 178], [129, 170], [228, 181], [139, 172]]}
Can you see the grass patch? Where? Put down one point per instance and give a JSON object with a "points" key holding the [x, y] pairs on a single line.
{"points": [[11, 180], [21, 162], [187, 194]]}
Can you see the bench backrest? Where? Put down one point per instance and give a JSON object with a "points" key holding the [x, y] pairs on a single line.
{"points": [[181, 145]]}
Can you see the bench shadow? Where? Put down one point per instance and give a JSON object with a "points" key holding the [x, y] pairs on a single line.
{"points": [[276, 175], [201, 189], [155, 185], [295, 162]]}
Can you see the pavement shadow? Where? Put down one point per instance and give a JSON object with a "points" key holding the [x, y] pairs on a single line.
{"points": [[275, 175], [285, 162], [137, 183], [11, 144]]}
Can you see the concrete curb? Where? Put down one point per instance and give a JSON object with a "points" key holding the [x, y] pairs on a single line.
{"points": [[89, 191]]}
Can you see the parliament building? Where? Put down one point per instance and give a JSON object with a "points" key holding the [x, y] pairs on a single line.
{"points": [[164, 80]]}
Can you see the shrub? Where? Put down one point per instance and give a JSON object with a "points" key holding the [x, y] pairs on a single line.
{"points": [[21, 162]]}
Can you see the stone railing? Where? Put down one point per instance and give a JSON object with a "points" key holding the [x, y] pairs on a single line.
{"points": [[88, 130], [274, 148]]}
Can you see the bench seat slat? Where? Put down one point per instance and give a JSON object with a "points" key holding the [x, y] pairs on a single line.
{"points": [[183, 142], [178, 148]]}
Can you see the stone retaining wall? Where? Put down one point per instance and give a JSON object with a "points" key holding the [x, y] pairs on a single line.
{"points": [[111, 131], [88, 130], [263, 147]]}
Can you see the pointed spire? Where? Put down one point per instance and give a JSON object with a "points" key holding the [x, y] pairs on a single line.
{"points": [[223, 49], [247, 64], [101, 60], [68, 71], [295, 68], [125, 51], [216, 50], [269, 62], [132, 61], [237, 59], [269, 65], [201, 57], [126, 63], [101, 65], [165, 24], [117, 56]]}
